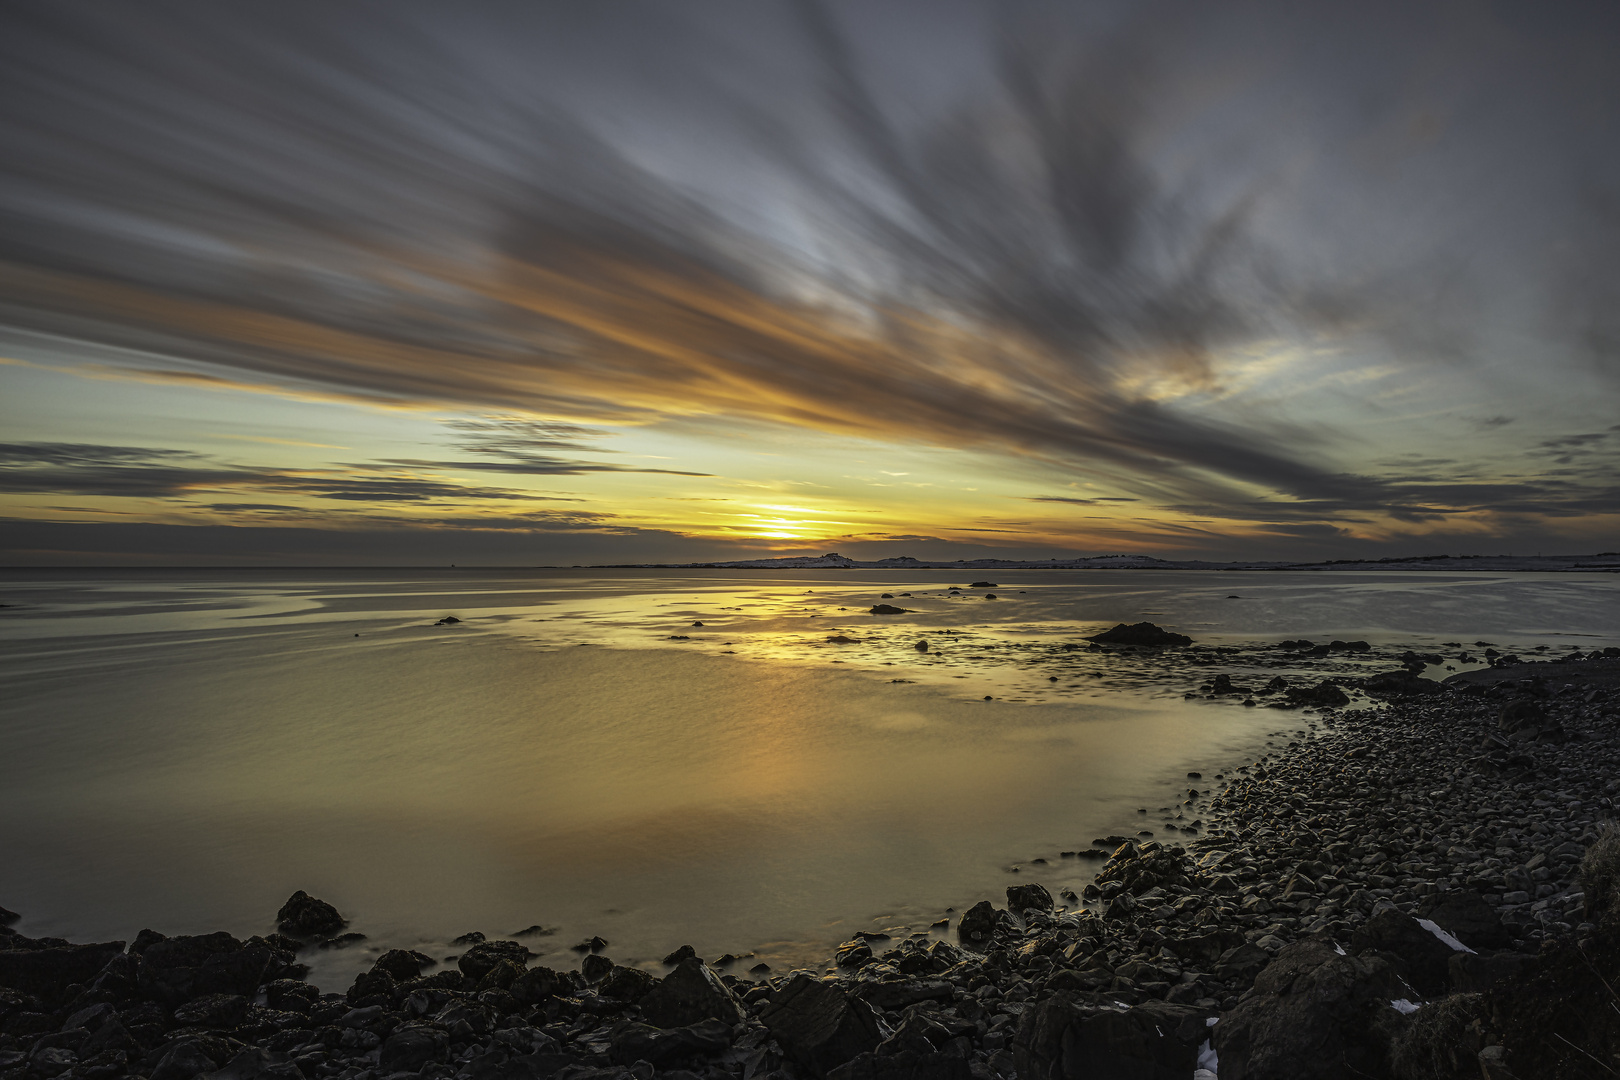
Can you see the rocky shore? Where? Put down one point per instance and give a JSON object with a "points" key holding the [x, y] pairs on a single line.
{"points": [[1428, 889]]}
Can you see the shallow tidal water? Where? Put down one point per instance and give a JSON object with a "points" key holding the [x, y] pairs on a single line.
{"points": [[182, 750]]}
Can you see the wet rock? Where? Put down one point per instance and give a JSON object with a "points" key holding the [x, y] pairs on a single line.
{"points": [[1400, 683], [481, 959], [886, 609], [304, 916], [595, 967], [1324, 694], [921, 646], [537, 984], [403, 964], [1313, 1014], [1023, 897], [8, 917], [688, 994], [1141, 634], [819, 1026], [628, 984], [979, 923], [685, 952]]}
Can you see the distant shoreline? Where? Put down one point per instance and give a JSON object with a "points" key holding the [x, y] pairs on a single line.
{"points": [[1604, 562]]}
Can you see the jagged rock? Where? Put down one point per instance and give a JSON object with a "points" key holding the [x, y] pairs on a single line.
{"points": [[178, 969], [182, 1061], [820, 1026], [890, 996], [1467, 917], [411, 1047], [304, 916], [47, 973], [688, 994], [1022, 897], [1142, 633], [403, 964], [538, 983], [1062, 1040], [223, 1011], [1419, 956], [479, 960], [627, 984], [659, 1048], [1313, 1014]]}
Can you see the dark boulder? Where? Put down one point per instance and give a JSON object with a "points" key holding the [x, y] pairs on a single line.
{"points": [[375, 985], [403, 964], [47, 973], [1142, 633], [1062, 1040], [222, 1011], [183, 1060], [479, 960], [688, 994], [1324, 694], [819, 1025], [1023, 897], [595, 967], [890, 996], [1417, 954], [1400, 683], [1314, 1014], [628, 984], [411, 1047], [538, 983], [304, 916], [886, 609], [979, 923], [661, 1048], [1466, 916]]}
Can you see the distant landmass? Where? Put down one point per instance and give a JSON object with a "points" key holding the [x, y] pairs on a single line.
{"points": [[1608, 561]]}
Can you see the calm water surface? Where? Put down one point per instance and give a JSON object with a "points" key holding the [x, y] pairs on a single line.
{"points": [[183, 749]]}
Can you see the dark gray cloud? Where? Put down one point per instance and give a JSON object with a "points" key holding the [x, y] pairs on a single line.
{"points": [[784, 212], [140, 472]]}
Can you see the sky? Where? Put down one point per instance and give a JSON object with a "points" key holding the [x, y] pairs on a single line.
{"points": [[517, 283]]}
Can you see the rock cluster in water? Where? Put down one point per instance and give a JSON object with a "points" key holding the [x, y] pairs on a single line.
{"points": [[1428, 890]]}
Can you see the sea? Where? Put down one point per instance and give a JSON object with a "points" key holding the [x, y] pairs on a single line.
{"points": [[746, 761]]}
